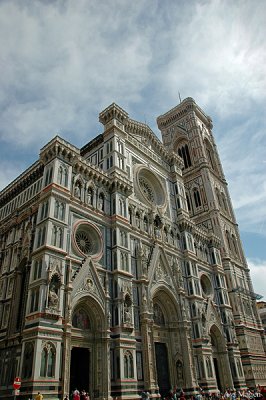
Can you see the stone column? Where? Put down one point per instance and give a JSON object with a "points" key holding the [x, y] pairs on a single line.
{"points": [[148, 353], [189, 369], [106, 370], [66, 360]]}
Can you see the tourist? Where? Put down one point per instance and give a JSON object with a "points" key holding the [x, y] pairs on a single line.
{"points": [[76, 395], [39, 396]]}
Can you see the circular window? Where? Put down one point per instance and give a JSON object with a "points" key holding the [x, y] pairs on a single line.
{"points": [[87, 240], [146, 189], [149, 186], [84, 242], [206, 285]]}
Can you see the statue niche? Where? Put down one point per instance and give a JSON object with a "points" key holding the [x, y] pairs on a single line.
{"points": [[53, 295], [127, 310]]}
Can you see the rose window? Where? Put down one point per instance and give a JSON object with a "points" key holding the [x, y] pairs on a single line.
{"points": [[149, 186], [84, 242], [87, 240], [146, 189]]}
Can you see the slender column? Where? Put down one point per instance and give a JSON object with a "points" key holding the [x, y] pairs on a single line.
{"points": [[148, 354]]}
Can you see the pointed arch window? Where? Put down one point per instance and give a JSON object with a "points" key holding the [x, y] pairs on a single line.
{"points": [[188, 202], [234, 245], [209, 367], [48, 176], [48, 357], [51, 363], [44, 210], [197, 198], [228, 240], [224, 203], [59, 210], [57, 236], [44, 358], [62, 176], [34, 299], [128, 365], [41, 236], [37, 269], [183, 152], [28, 360]]}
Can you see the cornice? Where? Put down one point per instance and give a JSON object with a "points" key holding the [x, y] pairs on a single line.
{"points": [[214, 240], [181, 110], [133, 127], [24, 180], [111, 112], [58, 147], [19, 215], [185, 223], [138, 128]]}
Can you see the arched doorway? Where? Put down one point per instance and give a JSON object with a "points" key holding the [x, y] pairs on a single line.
{"points": [[88, 349], [165, 317], [220, 359], [80, 369]]}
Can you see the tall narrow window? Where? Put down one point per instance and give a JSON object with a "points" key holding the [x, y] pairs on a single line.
{"points": [[62, 176], [197, 199], [128, 365], [235, 245], [228, 240], [51, 363], [44, 358], [188, 202], [48, 357], [34, 299], [183, 152], [224, 202], [27, 360]]}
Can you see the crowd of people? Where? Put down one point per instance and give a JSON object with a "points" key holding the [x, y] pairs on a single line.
{"points": [[77, 395], [248, 394], [178, 394]]}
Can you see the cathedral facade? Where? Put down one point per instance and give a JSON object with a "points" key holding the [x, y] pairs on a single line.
{"points": [[122, 270]]}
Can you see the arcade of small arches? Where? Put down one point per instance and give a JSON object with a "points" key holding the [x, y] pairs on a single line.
{"points": [[88, 194], [143, 221]]}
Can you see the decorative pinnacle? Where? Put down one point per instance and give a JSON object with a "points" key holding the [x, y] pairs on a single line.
{"points": [[113, 112]]}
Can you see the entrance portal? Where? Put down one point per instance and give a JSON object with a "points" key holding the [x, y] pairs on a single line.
{"points": [[80, 369], [215, 362], [162, 368]]}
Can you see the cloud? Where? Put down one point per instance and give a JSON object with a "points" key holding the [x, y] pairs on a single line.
{"points": [[258, 272], [8, 172], [242, 150], [62, 62]]}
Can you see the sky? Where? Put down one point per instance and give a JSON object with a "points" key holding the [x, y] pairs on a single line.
{"points": [[62, 62]]}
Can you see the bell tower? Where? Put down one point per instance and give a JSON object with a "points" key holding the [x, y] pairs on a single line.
{"points": [[187, 131]]}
